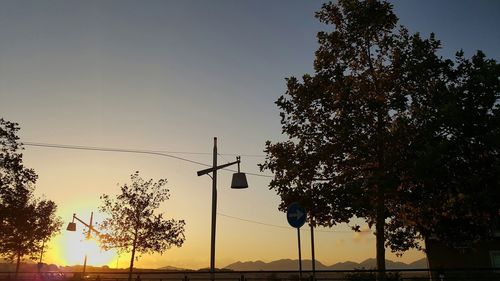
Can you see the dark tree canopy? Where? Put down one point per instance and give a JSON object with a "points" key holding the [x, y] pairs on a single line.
{"points": [[388, 131], [12, 170], [456, 167], [29, 223], [133, 223], [26, 222]]}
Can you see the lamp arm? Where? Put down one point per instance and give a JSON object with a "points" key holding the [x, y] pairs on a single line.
{"points": [[87, 225], [209, 170]]}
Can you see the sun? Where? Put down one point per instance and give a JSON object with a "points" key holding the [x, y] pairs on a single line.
{"points": [[74, 246]]}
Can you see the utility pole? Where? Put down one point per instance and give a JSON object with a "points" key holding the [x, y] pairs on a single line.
{"points": [[214, 212], [312, 253], [88, 237], [239, 181], [72, 227]]}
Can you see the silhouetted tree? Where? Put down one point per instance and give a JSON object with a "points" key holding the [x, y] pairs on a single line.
{"points": [[366, 128], [26, 222], [134, 225], [453, 180], [29, 223], [12, 171], [343, 121]]}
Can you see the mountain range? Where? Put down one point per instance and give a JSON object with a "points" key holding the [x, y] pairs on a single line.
{"points": [[288, 264], [277, 265]]}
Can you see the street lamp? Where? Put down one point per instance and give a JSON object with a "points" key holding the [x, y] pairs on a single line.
{"points": [[239, 181], [72, 227]]}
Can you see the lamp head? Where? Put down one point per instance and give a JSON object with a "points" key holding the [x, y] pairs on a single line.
{"points": [[71, 226], [239, 181]]}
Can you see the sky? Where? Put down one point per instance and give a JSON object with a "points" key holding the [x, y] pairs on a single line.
{"points": [[170, 76]]}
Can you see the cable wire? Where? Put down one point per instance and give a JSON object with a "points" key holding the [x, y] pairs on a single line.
{"points": [[28, 143], [168, 154], [138, 151], [105, 149], [223, 157], [287, 227], [252, 221]]}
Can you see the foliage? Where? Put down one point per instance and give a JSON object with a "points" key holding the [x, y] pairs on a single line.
{"points": [[344, 123], [457, 158], [133, 224], [29, 223], [388, 131], [26, 222], [12, 171]]}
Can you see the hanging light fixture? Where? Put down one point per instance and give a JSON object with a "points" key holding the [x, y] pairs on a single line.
{"points": [[239, 180], [72, 225]]}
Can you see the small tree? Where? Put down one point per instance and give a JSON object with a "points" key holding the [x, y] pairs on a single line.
{"points": [[134, 225], [26, 222], [29, 223]]}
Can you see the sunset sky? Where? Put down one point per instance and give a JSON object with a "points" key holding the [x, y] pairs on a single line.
{"points": [[169, 76]]}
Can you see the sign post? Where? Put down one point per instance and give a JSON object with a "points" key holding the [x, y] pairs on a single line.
{"points": [[312, 253], [296, 217]]}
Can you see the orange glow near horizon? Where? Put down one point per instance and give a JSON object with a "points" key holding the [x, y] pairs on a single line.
{"points": [[71, 248]]}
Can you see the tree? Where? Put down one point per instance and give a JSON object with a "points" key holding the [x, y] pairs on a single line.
{"points": [[30, 223], [26, 222], [12, 170], [134, 225], [343, 122], [365, 129], [455, 179]]}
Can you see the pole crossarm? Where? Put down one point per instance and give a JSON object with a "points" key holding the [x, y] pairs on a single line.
{"points": [[210, 170], [87, 225]]}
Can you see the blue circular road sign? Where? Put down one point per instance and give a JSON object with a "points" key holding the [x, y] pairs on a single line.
{"points": [[296, 215]]}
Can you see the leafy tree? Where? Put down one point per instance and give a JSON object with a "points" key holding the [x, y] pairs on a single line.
{"points": [[26, 222], [455, 177], [28, 225], [12, 170], [369, 131], [134, 225], [343, 122]]}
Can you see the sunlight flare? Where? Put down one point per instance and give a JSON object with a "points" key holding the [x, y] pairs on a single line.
{"points": [[73, 249]]}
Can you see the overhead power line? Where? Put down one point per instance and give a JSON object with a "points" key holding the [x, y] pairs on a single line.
{"points": [[138, 151], [285, 227], [107, 149], [57, 145], [252, 221], [169, 154]]}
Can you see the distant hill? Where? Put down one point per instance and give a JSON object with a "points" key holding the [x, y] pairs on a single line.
{"points": [[372, 263], [284, 264], [25, 266], [173, 268], [29, 266], [420, 264], [288, 264]]}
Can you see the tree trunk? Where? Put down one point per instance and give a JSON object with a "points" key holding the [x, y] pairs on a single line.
{"points": [[379, 227], [17, 265], [131, 269]]}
